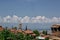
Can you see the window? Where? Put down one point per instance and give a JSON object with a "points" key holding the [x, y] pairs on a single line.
{"points": [[52, 29], [55, 29], [59, 28]]}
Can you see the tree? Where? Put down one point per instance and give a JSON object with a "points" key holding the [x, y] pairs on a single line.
{"points": [[46, 38], [12, 36], [15, 28], [6, 34], [26, 28], [1, 36], [44, 32], [28, 37], [20, 36], [36, 32]]}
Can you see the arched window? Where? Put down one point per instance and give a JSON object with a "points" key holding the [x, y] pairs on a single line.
{"points": [[52, 28], [55, 29], [59, 28]]}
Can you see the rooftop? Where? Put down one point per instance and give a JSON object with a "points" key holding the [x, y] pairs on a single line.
{"points": [[28, 31], [56, 25]]}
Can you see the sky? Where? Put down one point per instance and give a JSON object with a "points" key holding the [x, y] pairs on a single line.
{"points": [[30, 10]]}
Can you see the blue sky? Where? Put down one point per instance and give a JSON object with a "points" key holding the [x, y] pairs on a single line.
{"points": [[48, 8], [30, 11]]}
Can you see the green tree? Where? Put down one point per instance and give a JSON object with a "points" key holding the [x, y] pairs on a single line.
{"points": [[1, 36], [36, 32], [6, 34], [12, 36], [28, 37], [20, 36], [44, 32], [15, 28]]}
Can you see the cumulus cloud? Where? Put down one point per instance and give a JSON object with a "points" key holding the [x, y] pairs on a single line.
{"points": [[6, 19], [27, 19]]}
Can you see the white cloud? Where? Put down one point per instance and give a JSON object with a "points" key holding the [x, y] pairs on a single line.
{"points": [[27, 19], [14, 19], [6, 19]]}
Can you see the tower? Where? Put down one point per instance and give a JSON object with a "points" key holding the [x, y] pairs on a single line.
{"points": [[26, 28], [20, 26]]}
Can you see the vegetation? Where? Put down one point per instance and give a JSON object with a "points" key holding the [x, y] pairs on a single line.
{"points": [[44, 32], [36, 32], [28, 37], [7, 35], [46, 38], [20, 36], [15, 28]]}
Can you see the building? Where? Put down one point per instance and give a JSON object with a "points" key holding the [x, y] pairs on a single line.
{"points": [[30, 32], [1, 28], [13, 31], [19, 31], [54, 38], [56, 30]]}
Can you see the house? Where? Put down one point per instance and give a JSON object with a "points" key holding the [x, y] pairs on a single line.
{"points": [[30, 32], [1, 28], [55, 29], [54, 38], [13, 31], [20, 31]]}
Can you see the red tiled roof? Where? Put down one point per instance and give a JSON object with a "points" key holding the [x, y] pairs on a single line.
{"points": [[13, 30], [28, 31], [19, 30], [33, 34]]}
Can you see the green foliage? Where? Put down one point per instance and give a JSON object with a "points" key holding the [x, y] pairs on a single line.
{"points": [[7, 35], [44, 32], [12, 36], [15, 28], [36, 32], [46, 38], [28, 37], [20, 36], [4, 34]]}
